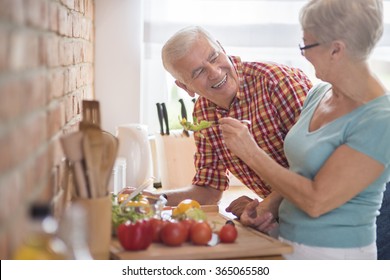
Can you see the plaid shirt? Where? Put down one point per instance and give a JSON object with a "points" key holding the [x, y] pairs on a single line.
{"points": [[271, 97]]}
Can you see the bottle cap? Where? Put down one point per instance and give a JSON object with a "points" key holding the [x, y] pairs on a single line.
{"points": [[40, 210]]}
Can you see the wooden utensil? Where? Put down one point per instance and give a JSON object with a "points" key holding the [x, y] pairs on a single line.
{"points": [[72, 146], [110, 150], [92, 144], [93, 152], [91, 114]]}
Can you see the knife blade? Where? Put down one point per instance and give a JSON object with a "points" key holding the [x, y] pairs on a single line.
{"points": [[183, 109], [160, 117], [165, 116], [184, 115], [139, 189]]}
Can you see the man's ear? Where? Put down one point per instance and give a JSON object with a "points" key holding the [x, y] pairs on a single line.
{"points": [[183, 86]]}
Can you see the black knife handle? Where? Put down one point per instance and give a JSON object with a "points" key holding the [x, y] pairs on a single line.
{"points": [[183, 109], [165, 115], [160, 118]]}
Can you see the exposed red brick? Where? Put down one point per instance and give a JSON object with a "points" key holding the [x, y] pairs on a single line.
{"points": [[46, 68], [4, 48], [66, 47], [55, 84], [7, 156], [55, 120], [63, 21], [76, 25], [70, 4], [12, 10], [12, 100], [36, 13], [53, 16], [4, 252]]}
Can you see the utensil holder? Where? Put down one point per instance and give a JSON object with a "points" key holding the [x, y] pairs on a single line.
{"points": [[175, 159], [98, 211]]}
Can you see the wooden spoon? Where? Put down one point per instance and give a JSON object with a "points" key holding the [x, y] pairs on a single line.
{"points": [[93, 151], [91, 114], [92, 144], [110, 149], [72, 146]]}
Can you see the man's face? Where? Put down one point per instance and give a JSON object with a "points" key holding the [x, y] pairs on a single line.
{"points": [[208, 72]]}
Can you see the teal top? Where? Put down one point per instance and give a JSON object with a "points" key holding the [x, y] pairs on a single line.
{"points": [[365, 129]]}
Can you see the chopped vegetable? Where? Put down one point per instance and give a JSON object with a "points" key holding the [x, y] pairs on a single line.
{"points": [[188, 209], [133, 213], [196, 126], [196, 214]]}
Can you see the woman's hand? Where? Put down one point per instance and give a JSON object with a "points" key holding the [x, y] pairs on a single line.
{"points": [[237, 137], [257, 217]]}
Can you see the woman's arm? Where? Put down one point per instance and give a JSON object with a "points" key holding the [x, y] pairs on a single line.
{"points": [[346, 173]]}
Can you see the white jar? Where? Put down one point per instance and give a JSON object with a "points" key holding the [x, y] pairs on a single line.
{"points": [[118, 176]]}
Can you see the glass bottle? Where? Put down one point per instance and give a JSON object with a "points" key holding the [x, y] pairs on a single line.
{"points": [[41, 242], [73, 231]]}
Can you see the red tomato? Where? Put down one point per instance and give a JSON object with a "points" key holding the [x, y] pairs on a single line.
{"points": [[173, 234], [228, 233], [135, 236], [188, 224], [157, 225], [201, 233]]}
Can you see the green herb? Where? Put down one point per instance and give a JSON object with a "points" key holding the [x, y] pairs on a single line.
{"points": [[196, 126]]}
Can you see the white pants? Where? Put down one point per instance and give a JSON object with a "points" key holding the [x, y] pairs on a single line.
{"points": [[304, 252]]}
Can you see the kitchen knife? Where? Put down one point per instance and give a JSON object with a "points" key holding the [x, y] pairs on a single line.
{"points": [[139, 189], [160, 117], [184, 115], [183, 109], [165, 116]]}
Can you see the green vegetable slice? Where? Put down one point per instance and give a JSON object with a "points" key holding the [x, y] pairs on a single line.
{"points": [[196, 126]]}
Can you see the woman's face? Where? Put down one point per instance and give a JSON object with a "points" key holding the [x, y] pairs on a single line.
{"points": [[207, 71], [317, 56]]}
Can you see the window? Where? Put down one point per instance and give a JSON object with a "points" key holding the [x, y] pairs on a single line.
{"points": [[252, 29]]}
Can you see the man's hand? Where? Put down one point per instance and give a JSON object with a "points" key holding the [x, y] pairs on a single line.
{"points": [[255, 216], [237, 206]]}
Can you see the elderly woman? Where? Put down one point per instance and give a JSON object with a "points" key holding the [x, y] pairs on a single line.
{"points": [[338, 150]]}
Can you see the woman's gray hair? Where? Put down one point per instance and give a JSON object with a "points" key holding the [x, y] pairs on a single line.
{"points": [[179, 45], [358, 23]]}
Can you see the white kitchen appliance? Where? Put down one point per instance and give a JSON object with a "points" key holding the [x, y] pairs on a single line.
{"points": [[134, 146]]}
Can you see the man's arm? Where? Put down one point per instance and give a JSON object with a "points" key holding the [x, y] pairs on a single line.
{"points": [[269, 204], [204, 195], [262, 216]]}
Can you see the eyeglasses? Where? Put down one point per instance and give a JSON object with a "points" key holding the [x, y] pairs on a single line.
{"points": [[303, 48]]}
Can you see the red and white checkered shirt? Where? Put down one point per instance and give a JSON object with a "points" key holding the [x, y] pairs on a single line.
{"points": [[271, 97]]}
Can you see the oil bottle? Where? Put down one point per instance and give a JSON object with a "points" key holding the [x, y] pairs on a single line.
{"points": [[41, 242]]}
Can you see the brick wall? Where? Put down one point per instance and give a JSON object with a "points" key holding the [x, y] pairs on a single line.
{"points": [[46, 69]]}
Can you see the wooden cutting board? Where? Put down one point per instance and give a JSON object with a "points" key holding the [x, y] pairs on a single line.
{"points": [[249, 244]]}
